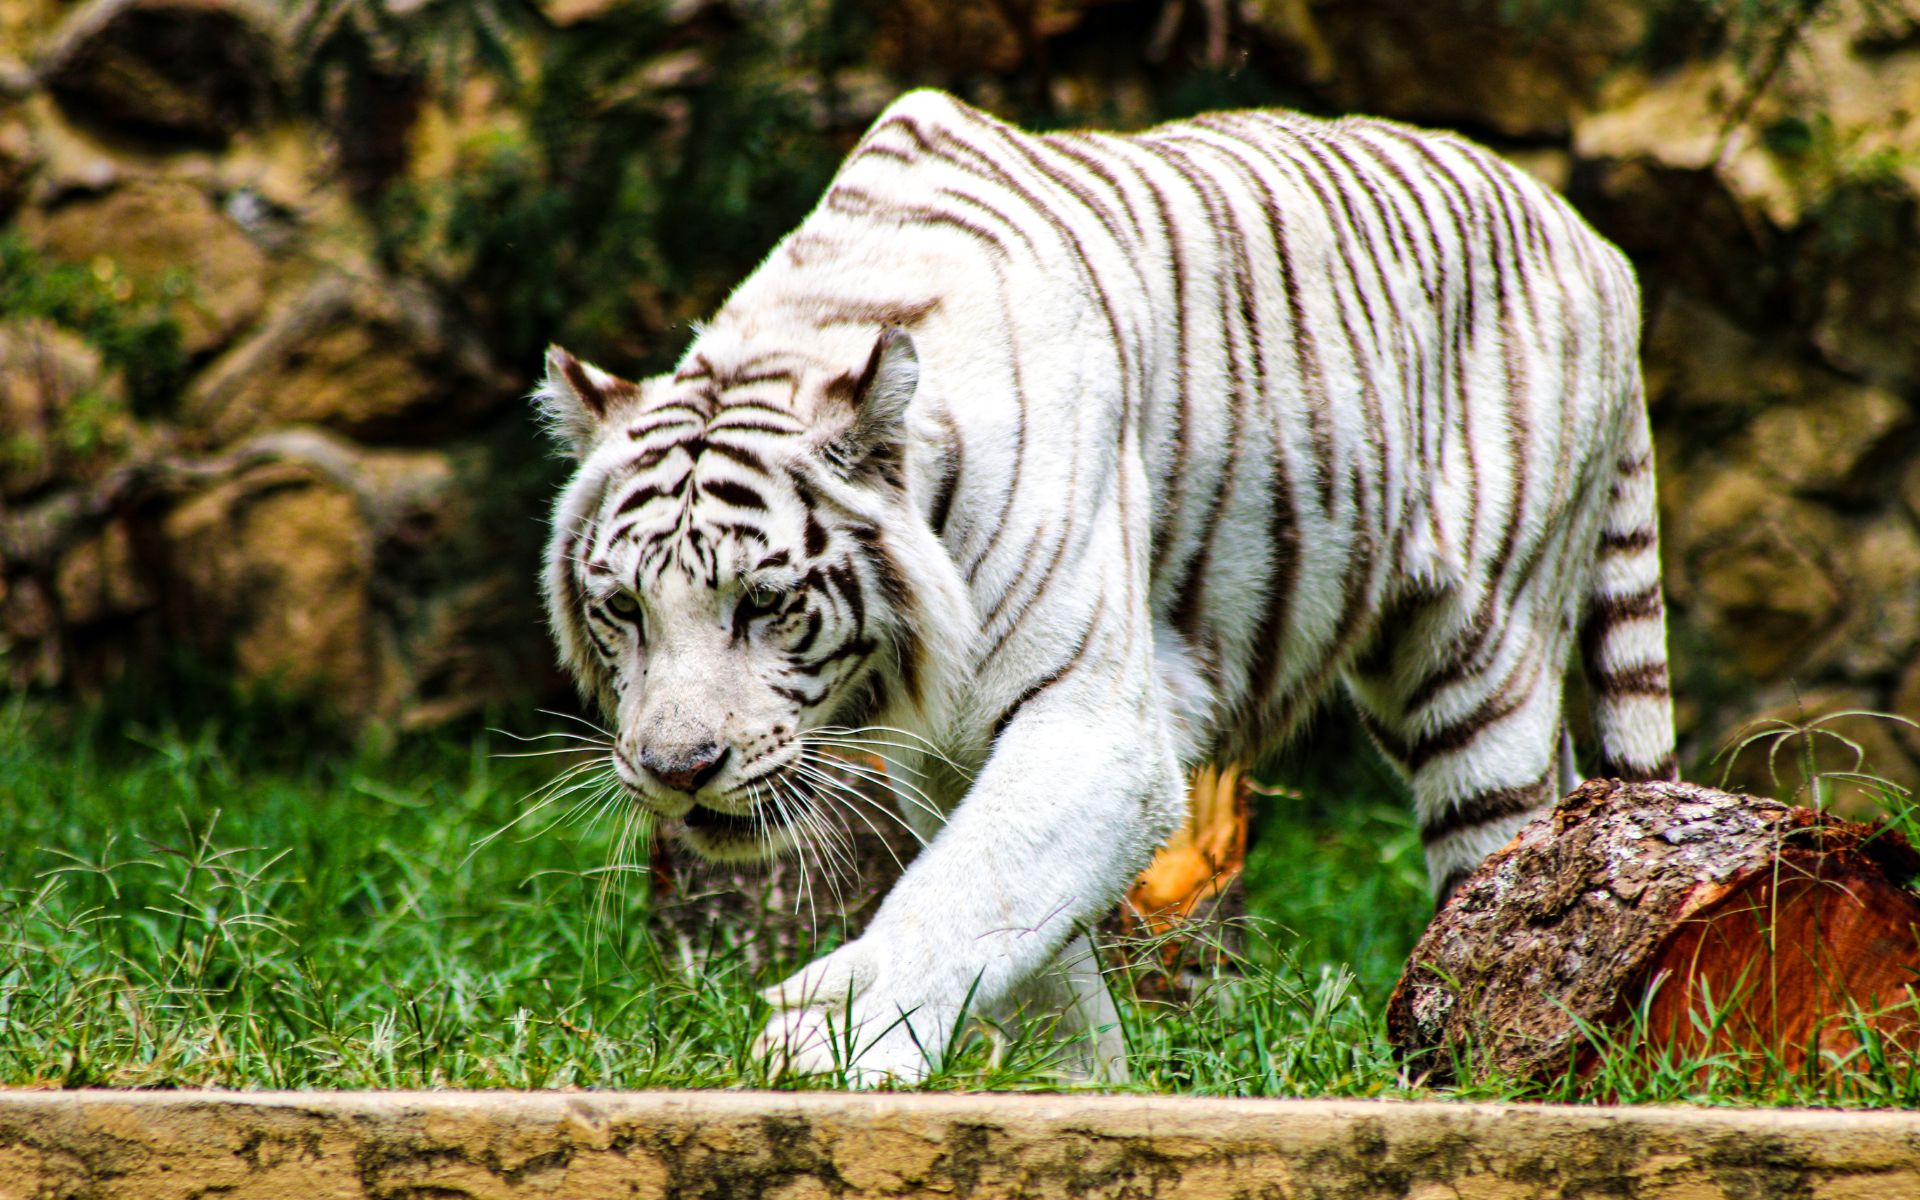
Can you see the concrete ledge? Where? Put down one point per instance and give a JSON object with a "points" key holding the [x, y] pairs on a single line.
{"points": [[726, 1145]]}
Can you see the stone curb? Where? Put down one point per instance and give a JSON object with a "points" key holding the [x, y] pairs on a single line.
{"points": [[723, 1145]]}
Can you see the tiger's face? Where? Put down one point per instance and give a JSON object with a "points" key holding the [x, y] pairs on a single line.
{"points": [[722, 580]]}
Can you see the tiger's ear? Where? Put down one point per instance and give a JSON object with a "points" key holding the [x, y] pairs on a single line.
{"points": [[867, 414], [575, 398]]}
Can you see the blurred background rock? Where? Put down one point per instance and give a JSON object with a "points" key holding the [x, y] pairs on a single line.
{"points": [[275, 278]]}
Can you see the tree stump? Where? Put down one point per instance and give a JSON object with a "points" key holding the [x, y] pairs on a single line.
{"points": [[1633, 908]]}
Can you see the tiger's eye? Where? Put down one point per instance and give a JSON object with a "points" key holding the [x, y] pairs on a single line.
{"points": [[620, 604]]}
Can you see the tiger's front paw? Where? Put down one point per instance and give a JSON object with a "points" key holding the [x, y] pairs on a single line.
{"points": [[836, 1016], [864, 1052]]}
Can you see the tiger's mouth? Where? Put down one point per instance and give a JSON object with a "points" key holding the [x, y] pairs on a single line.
{"points": [[714, 823], [754, 836]]}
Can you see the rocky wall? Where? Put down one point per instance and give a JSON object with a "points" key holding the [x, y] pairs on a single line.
{"points": [[314, 501], [337, 233]]}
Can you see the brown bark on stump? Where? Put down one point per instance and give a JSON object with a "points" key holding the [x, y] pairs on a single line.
{"points": [[1666, 899]]}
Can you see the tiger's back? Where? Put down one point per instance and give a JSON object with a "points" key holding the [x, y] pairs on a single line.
{"points": [[1382, 386]]}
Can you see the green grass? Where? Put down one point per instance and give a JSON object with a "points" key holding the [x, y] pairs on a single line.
{"points": [[230, 907]]}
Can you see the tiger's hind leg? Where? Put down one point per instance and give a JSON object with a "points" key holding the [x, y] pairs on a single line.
{"points": [[1470, 711]]}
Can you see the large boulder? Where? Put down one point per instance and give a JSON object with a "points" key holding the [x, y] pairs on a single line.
{"points": [[1655, 174], [1776, 478], [25, 27], [30, 633], [1906, 704], [1831, 434], [19, 157], [350, 576], [1707, 372], [1776, 188], [1863, 278], [471, 644], [1524, 73], [379, 362], [949, 45], [62, 415], [1752, 567], [101, 578], [191, 71], [171, 236], [272, 567], [1676, 121], [1881, 625]]}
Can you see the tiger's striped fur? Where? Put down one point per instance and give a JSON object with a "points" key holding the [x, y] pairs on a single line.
{"points": [[1082, 458]]}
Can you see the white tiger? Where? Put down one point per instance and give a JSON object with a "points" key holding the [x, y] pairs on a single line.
{"points": [[1062, 463]]}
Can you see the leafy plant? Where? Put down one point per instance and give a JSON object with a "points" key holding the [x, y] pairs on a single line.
{"points": [[441, 40], [637, 172], [128, 323], [1803, 745]]}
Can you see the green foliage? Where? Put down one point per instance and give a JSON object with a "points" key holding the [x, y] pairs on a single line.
{"points": [[206, 906], [443, 40], [1852, 179], [1811, 759], [1633, 1066], [1867, 208], [1314, 866], [198, 907], [617, 204], [86, 426], [173, 917], [1751, 29], [129, 324], [1632, 1063]]}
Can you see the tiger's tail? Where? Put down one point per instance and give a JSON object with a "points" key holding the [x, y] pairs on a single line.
{"points": [[1623, 630]]}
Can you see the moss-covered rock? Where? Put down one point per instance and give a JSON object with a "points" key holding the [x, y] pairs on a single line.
{"points": [[172, 236], [62, 414], [1521, 76], [1756, 567], [275, 566], [383, 363], [100, 578], [19, 158]]}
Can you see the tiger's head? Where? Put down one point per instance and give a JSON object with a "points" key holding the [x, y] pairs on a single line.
{"points": [[736, 573]]}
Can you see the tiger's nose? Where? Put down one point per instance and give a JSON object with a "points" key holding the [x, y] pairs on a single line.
{"points": [[686, 770]]}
